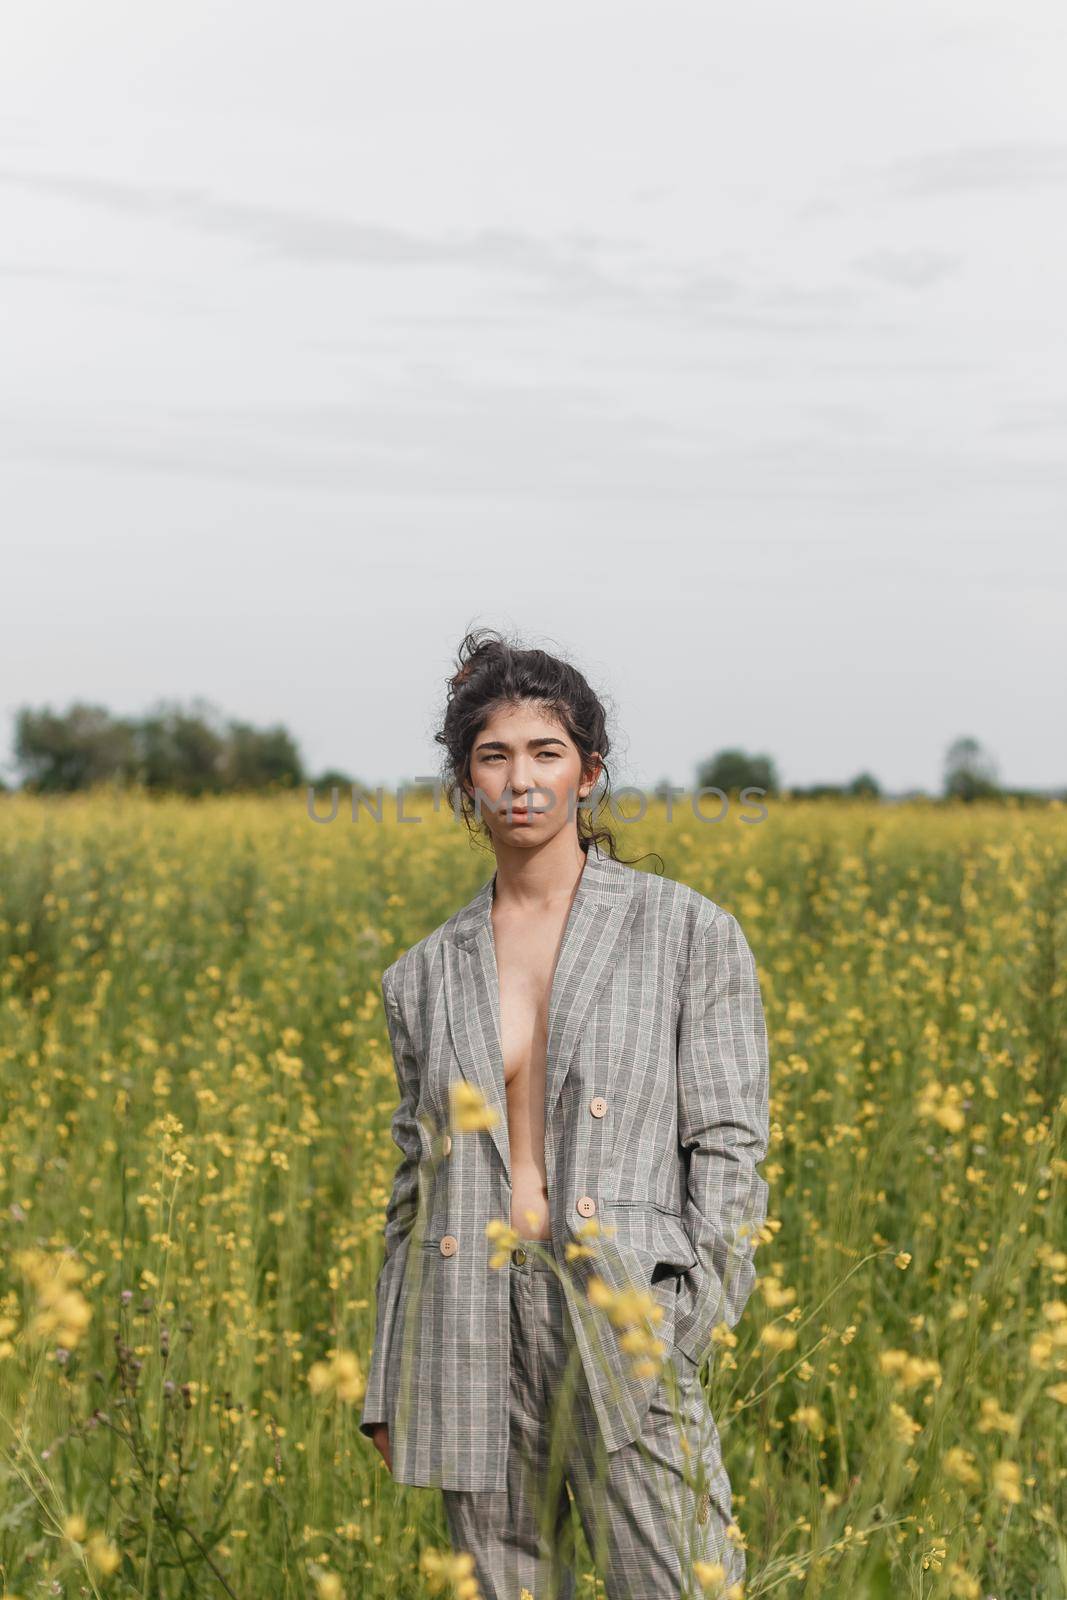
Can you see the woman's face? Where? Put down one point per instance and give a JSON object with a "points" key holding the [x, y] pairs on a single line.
{"points": [[526, 772]]}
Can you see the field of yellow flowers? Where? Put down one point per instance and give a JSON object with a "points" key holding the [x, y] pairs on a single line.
{"points": [[195, 1160]]}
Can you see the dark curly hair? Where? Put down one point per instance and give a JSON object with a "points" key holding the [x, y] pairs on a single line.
{"points": [[492, 673]]}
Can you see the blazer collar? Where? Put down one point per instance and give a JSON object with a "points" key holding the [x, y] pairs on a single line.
{"points": [[604, 901]]}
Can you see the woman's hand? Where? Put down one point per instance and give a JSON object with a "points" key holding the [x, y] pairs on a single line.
{"points": [[380, 1440]]}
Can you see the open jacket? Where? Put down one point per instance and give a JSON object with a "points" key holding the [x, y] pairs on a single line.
{"points": [[656, 1115]]}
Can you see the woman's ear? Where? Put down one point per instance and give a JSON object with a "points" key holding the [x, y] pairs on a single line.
{"points": [[590, 775]]}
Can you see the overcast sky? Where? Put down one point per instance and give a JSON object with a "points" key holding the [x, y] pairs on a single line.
{"points": [[720, 348]]}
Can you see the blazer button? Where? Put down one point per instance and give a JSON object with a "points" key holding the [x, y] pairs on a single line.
{"points": [[446, 1144], [586, 1205], [598, 1106], [449, 1244]]}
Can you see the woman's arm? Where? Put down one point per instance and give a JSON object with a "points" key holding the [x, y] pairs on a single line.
{"points": [[400, 1211], [723, 1096]]}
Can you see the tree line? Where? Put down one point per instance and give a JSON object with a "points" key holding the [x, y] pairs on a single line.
{"points": [[171, 749], [196, 751], [969, 773]]}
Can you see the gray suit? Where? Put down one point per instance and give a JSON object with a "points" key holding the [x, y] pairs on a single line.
{"points": [[655, 1119]]}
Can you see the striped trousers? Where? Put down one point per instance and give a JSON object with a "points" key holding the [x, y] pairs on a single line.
{"points": [[648, 1511]]}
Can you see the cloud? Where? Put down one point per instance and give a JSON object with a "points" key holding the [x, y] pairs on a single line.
{"points": [[566, 273], [908, 269], [1007, 168], [1038, 416], [534, 444], [567, 267], [1023, 165]]}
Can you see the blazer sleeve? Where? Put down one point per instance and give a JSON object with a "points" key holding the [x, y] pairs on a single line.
{"points": [[400, 1211], [723, 1096]]}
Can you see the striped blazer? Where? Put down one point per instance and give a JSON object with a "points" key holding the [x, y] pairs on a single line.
{"points": [[656, 1115]]}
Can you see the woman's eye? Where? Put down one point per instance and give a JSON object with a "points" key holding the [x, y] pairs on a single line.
{"points": [[553, 755]]}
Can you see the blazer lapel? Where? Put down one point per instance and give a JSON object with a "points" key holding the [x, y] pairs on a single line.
{"points": [[592, 943], [472, 999]]}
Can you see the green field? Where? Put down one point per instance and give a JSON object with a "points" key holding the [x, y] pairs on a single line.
{"points": [[195, 1161]]}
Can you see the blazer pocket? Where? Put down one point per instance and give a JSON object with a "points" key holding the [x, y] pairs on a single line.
{"points": [[679, 1349], [655, 1231]]}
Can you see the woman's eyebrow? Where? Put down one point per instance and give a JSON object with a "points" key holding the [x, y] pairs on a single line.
{"points": [[502, 744]]}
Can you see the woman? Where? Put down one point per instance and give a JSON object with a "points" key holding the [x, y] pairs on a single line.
{"points": [[582, 1062]]}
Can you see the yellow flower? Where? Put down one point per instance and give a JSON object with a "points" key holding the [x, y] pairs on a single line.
{"points": [[911, 1371], [962, 1584], [1006, 1481], [469, 1110], [341, 1374], [940, 1103], [506, 1239], [440, 1569], [811, 1418], [959, 1464], [631, 1310], [1042, 1348], [75, 1527], [103, 1555], [589, 1232], [711, 1575], [992, 1418], [328, 1586], [63, 1313], [902, 1427], [319, 1377]]}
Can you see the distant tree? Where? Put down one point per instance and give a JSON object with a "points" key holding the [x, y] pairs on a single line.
{"points": [[172, 749], [862, 787], [970, 773], [182, 752], [866, 785], [256, 758], [733, 770], [332, 779], [816, 791], [59, 752]]}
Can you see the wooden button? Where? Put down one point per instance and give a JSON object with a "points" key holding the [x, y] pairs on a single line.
{"points": [[449, 1244], [446, 1144], [598, 1106], [586, 1205]]}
